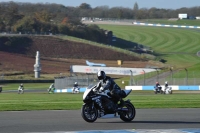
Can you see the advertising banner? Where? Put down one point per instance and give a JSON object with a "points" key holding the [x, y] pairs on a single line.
{"points": [[111, 70]]}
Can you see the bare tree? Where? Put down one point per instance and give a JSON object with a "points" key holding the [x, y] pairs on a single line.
{"points": [[135, 10]]}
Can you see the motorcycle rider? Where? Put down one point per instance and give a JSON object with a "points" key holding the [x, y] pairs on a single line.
{"points": [[107, 83], [76, 88], [158, 86], [76, 84], [21, 88], [51, 87], [166, 84]]}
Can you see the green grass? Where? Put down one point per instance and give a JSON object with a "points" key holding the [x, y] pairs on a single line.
{"points": [[39, 101], [67, 101], [27, 86], [98, 44], [177, 22], [178, 46]]}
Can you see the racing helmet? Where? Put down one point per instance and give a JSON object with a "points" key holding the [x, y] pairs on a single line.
{"points": [[75, 84], [166, 82], [101, 75], [21, 84]]}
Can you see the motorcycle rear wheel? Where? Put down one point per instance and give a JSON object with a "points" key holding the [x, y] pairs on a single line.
{"points": [[88, 113], [129, 115]]}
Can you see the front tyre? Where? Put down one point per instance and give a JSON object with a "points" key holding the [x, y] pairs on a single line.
{"points": [[89, 112], [129, 114]]}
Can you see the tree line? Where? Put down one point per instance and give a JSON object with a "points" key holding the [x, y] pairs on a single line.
{"points": [[45, 18]]}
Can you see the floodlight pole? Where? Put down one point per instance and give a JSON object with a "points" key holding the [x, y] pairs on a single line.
{"points": [[144, 77], [131, 78], [187, 76], [157, 75], [171, 74]]}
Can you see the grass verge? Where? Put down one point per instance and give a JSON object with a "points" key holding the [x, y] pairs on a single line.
{"points": [[68, 101], [27, 86]]}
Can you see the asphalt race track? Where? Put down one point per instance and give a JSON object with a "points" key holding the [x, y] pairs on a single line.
{"points": [[71, 120]]}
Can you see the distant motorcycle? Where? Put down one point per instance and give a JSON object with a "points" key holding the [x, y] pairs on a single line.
{"points": [[158, 90], [167, 90], [51, 90], [90, 109], [20, 90], [75, 90]]}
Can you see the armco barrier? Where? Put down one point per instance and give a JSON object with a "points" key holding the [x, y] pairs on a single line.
{"points": [[162, 25], [68, 90], [174, 87], [191, 88]]}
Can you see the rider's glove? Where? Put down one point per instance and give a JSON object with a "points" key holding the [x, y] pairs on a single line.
{"points": [[101, 89], [95, 89]]}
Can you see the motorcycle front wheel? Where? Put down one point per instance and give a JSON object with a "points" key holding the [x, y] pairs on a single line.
{"points": [[20, 91], [129, 114], [89, 112]]}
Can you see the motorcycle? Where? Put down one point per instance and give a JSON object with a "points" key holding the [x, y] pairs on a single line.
{"points": [[20, 90], [51, 90], [158, 90], [90, 109], [168, 90], [75, 90]]}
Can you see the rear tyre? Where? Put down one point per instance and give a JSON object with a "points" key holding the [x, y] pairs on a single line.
{"points": [[89, 113], [129, 115]]}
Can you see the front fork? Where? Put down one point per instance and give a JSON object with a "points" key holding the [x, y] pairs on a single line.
{"points": [[92, 105]]}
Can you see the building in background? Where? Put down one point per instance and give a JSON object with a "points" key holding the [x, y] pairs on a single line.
{"points": [[182, 16]]}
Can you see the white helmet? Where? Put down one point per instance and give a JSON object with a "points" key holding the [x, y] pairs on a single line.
{"points": [[166, 82]]}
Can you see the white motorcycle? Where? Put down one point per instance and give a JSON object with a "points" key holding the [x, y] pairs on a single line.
{"points": [[90, 109], [20, 90], [75, 90], [167, 90], [51, 90]]}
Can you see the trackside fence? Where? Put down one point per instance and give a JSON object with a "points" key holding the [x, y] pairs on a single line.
{"points": [[68, 82], [174, 81]]}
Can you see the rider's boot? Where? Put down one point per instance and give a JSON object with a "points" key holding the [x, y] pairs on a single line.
{"points": [[101, 111]]}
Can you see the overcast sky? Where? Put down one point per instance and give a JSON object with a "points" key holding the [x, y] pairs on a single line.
{"points": [[166, 4]]}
